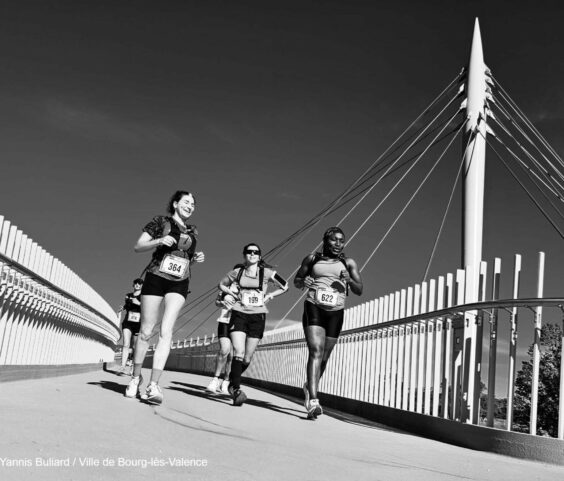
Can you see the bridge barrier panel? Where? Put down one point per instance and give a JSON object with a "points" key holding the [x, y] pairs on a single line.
{"points": [[48, 315]]}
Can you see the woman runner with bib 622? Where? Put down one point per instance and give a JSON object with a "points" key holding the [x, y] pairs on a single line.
{"points": [[248, 311], [166, 282], [328, 276]]}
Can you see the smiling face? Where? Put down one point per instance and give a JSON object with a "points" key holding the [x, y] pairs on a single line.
{"points": [[252, 254], [334, 244], [184, 208]]}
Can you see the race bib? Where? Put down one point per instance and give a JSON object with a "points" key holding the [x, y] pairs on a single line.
{"points": [[174, 265], [252, 298], [134, 316], [326, 297]]}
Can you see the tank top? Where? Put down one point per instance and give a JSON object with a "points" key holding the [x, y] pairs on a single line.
{"points": [[328, 291]]}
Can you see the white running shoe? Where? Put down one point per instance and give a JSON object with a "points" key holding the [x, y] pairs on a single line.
{"points": [[153, 394], [224, 387], [314, 409], [306, 395], [214, 385], [134, 387]]}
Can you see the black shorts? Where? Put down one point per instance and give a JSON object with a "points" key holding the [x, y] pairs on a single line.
{"points": [[159, 286], [331, 321], [132, 326], [250, 324], [222, 329]]}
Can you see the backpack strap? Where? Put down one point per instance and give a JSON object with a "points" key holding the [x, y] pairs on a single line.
{"points": [[261, 278]]}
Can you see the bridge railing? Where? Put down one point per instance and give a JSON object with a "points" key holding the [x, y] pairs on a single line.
{"points": [[48, 314], [421, 350]]}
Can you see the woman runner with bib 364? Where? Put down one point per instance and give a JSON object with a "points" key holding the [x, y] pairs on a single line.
{"points": [[328, 275], [166, 282], [248, 311]]}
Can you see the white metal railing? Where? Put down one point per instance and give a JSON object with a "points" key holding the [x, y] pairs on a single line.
{"points": [[419, 349], [48, 314]]}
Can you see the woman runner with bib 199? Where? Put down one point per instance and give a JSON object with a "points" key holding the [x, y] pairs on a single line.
{"points": [[328, 275], [166, 283], [248, 311]]}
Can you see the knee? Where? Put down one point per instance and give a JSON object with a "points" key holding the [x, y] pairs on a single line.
{"points": [[144, 336], [315, 351], [240, 353]]}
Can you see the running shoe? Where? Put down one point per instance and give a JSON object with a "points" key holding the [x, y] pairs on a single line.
{"points": [[213, 386], [239, 397], [306, 395], [134, 387], [153, 394], [224, 389], [314, 409]]}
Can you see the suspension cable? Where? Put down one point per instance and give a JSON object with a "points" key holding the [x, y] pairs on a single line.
{"points": [[436, 243], [412, 197]]}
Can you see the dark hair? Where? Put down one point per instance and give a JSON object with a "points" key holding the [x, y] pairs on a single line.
{"points": [[252, 244], [332, 230], [138, 281], [176, 198]]}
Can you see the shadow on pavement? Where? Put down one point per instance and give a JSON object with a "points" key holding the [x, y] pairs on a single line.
{"points": [[199, 391], [110, 385]]}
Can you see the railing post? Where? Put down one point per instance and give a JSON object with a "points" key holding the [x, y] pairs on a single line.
{"points": [[536, 348], [513, 344], [493, 344]]}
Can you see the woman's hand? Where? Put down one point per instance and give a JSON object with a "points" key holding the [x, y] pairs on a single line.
{"points": [[268, 298], [199, 257], [168, 241], [309, 281]]}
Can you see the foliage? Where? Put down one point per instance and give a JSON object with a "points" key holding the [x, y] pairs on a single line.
{"points": [[549, 384]]}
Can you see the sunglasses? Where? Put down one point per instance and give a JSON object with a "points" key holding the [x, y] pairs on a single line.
{"points": [[252, 252]]}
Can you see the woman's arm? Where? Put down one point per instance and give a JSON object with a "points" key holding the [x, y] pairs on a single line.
{"points": [[146, 242], [302, 279], [278, 292], [351, 276]]}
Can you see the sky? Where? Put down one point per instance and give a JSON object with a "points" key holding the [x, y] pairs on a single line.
{"points": [[265, 110]]}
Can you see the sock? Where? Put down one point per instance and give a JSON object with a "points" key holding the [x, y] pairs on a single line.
{"points": [[245, 366], [137, 369], [236, 371]]}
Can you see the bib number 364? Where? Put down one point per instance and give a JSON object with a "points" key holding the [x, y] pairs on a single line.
{"points": [[174, 266]]}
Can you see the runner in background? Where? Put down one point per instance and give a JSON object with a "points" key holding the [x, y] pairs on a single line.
{"points": [[248, 311], [131, 323], [328, 276], [220, 381]]}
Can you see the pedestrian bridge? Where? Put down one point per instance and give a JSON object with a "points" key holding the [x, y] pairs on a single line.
{"points": [[401, 391], [82, 427]]}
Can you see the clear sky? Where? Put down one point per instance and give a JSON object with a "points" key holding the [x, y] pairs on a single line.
{"points": [[265, 110]]}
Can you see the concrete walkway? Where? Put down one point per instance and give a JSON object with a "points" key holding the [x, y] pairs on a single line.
{"points": [[81, 427]]}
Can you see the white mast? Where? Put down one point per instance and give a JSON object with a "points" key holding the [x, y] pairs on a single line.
{"points": [[473, 207]]}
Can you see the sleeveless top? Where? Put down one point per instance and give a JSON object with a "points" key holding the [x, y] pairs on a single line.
{"points": [[172, 263], [248, 283], [132, 311], [328, 291]]}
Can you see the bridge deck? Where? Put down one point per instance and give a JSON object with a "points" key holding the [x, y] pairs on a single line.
{"points": [[84, 420]]}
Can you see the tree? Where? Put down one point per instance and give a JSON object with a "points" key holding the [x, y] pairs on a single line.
{"points": [[549, 384]]}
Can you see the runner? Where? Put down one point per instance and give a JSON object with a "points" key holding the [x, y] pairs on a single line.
{"points": [[220, 381], [166, 282], [131, 322], [328, 275], [248, 311]]}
